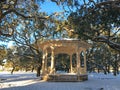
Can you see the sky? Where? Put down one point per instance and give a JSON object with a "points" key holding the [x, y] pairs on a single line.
{"points": [[50, 7], [11, 43]]}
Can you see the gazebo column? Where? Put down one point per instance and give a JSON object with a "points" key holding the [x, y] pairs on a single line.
{"points": [[52, 70], [71, 67], [46, 54], [43, 63], [78, 60], [85, 65]]}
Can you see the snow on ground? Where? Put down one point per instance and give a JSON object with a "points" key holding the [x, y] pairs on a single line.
{"points": [[29, 81]]}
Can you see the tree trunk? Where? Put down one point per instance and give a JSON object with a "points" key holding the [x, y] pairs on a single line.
{"points": [[12, 70], [98, 70], [32, 69], [26, 69], [108, 68], [38, 70]]}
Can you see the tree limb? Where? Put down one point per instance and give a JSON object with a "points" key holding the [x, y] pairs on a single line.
{"points": [[106, 40], [17, 13]]}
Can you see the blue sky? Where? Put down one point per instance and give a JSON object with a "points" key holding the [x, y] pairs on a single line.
{"points": [[50, 7]]}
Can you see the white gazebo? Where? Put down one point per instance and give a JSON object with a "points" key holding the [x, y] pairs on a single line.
{"points": [[69, 47]]}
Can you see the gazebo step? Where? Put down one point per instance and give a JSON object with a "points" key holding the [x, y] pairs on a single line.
{"points": [[66, 78]]}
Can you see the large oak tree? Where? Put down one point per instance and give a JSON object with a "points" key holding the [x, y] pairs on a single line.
{"points": [[97, 21]]}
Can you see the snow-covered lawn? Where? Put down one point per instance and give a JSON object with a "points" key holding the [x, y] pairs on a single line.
{"points": [[29, 81]]}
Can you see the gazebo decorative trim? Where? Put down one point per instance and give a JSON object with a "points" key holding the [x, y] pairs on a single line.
{"points": [[67, 46]]}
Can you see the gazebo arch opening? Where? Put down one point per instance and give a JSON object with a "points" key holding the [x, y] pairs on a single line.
{"points": [[74, 62], [82, 54], [62, 63]]}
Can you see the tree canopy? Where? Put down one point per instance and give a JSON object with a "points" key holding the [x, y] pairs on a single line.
{"points": [[97, 21], [12, 10]]}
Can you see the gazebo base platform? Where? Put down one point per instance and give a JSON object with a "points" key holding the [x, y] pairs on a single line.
{"points": [[65, 77]]}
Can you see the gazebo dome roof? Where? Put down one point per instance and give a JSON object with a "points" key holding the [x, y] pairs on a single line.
{"points": [[63, 45], [64, 41]]}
